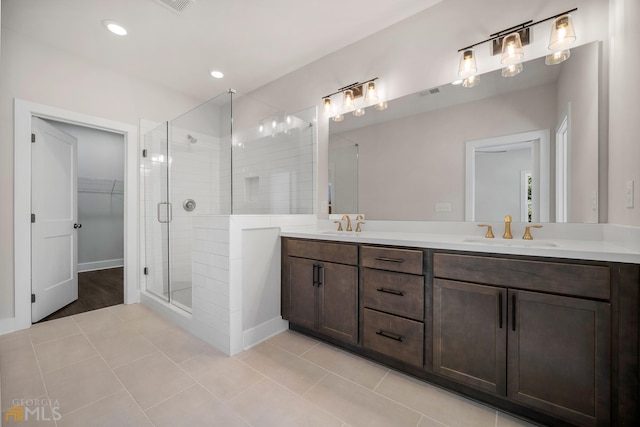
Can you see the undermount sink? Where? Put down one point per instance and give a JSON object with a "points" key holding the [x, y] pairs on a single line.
{"points": [[511, 242]]}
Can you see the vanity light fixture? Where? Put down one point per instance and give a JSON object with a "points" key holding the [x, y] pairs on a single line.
{"points": [[562, 32], [467, 66], [511, 70], [348, 103], [351, 93], [509, 43], [512, 52], [380, 106], [471, 81], [372, 93], [557, 57]]}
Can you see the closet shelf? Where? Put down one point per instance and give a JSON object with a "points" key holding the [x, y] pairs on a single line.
{"points": [[100, 185]]}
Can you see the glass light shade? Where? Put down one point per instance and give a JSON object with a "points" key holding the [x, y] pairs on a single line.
{"points": [[359, 112], [372, 93], [512, 52], [348, 102], [512, 70], [471, 81], [326, 106], [562, 33], [557, 57], [338, 118], [381, 106], [467, 65]]}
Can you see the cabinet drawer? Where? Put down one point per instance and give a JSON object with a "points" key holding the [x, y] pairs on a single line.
{"points": [[590, 281], [402, 260], [397, 293], [394, 336], [323, 251]]}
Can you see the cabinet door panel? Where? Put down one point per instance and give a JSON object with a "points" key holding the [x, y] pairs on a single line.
{"points": [[339, 301], [559, 355], [303, 308], [469, 334]]}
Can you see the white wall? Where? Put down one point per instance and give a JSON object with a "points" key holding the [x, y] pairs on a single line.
{"points": [[40, 74], [624, 110]]}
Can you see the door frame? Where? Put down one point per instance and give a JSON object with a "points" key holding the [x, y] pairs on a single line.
{"points": [[23, 111]]}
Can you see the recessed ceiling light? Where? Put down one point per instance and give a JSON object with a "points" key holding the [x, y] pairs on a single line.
{"points": [[217, 74], [114, 27]]}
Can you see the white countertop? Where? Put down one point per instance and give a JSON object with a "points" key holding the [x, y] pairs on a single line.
{"points": [[597, 250]]}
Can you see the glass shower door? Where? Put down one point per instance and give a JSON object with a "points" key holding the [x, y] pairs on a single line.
{"points": [[157, 211]]}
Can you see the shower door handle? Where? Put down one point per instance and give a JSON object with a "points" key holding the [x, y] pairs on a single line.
{"points": [[169, 213]]}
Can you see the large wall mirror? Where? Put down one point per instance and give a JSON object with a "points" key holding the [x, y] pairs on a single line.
{"points": [[525, 145]]}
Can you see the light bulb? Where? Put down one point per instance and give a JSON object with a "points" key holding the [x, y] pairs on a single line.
{"points": [[562, 33], [512, 70], [372, 93], [557, 57], [467, 65], [348, 102], [512, 52], [359, 112], [326, 106]]}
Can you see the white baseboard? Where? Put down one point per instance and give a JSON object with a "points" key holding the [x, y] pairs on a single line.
{"points": [[264, 331], [100, 265]]}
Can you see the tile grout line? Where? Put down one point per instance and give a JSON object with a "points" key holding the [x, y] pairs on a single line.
{"points": [[44, 384], [113, 372], [267, 377], [222, 402]]}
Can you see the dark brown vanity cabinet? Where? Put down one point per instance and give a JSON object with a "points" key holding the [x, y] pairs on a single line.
{"points": [[553, 340], [393, 301], [546, 351], [320, 287]]}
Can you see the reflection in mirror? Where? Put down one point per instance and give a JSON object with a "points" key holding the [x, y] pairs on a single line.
{"points": [[411, 161], [343, 175], [508, 174]]}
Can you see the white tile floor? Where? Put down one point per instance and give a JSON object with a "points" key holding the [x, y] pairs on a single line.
{"points": [[127, 366]]}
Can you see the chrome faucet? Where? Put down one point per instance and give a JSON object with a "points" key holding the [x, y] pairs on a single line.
{"points": [[507, 228], [348, 222]]}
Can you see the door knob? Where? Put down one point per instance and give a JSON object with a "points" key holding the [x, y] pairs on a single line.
{"points": [[77, 225]]}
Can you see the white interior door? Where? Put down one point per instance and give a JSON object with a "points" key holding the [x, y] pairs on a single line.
{"points": [[54, 252]]}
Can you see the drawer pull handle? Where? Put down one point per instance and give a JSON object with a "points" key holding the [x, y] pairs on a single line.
{"points": [[390, 291], [389, 335], [381, 258]]}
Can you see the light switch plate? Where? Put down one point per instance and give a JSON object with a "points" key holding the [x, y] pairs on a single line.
{"points": [[629, 193], [443, 207]]}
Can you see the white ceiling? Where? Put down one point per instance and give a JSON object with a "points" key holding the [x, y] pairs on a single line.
{"points": [[252, 41]]}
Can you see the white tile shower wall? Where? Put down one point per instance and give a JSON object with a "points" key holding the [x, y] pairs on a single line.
{"points": [[281, 167], [194, 176], [222, 280]]}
